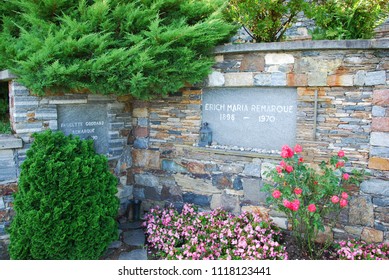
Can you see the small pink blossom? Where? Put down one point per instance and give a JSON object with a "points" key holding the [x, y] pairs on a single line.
{"points": [[311, 208], [343, 203], [298, 148], [283, 164], [286, 203], [341, 153], [334, 199], [298, 191], [287, 152], [289, 168], [346, 176], [279, 169], [344, 195], [294, 206], [339, 164], [276, 194], [284, 154]]}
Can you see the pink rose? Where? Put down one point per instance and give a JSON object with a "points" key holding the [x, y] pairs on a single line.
{"points": [[343, 203], [276, 194], [301, 160], [344, 195], [341, 153], [284, 154], [298, 191], [298, 148], [287, 152], [289, 168], [312, 208], [294, 206], [339, 164], [296, 201], [346, 176], [335, 199], [279, 169], [287, 203], [283, 164]]}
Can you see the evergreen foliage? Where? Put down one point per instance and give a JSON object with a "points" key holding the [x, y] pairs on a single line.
{"points": [[347, 19], [66, 204], [141, 47]]}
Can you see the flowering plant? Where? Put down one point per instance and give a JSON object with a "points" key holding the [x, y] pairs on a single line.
{"points": [[360, 250], [211, 235], [307, 196]]}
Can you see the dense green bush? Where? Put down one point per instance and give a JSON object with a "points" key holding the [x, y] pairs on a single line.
{"points": [[266, 19], [142, 47], [347, 19], [66, 204]]}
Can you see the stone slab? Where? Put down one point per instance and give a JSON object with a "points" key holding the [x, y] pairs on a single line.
{"points": [[252, 169], [376, 187], [134, 237], [216, 79], [371, 235], [379, 163], [361, 212], [86, 121], [138, 255], [6, 75], [375, 78], [252, 191], [10, 142], [251, 117], [115, 245], [379, 139], [304, 45]]}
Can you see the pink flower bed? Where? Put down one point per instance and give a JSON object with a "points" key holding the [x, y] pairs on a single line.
{"points": [[360, 250], [211, 235]]}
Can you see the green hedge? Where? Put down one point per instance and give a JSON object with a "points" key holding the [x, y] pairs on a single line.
{"points": [[139, 47]]}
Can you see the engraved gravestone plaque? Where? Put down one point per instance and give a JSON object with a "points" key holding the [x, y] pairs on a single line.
{"points": [[87, 122], [263, 118]]}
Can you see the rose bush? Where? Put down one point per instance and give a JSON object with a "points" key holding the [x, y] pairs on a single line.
{"points": [[211, 235], [309, 198]]}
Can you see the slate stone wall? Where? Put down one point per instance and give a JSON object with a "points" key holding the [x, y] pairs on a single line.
{"points": [[153, 145], [351, 81]]}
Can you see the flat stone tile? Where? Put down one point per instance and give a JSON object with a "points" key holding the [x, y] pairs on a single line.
{"points": [[134, 237], [138, 254]]}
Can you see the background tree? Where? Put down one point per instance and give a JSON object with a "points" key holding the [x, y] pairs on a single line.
{"points": [[267, 20], [141, 47], [347, 19]]}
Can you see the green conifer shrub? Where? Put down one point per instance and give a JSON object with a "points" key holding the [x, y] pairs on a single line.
{"points": [[66, 204], [139, 47]]}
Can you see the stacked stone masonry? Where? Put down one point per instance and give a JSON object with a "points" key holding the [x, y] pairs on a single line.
{"points": [[351, 81], [153, 145], [30, 113]]}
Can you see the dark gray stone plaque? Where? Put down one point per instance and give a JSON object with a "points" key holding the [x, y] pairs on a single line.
{"points": [[86, 121], [262, 118]]}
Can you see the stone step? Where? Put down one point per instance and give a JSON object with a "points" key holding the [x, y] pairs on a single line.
{"points": [[138, 254], [134, 237]]}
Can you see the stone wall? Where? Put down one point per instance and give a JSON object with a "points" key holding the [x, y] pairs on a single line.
{"points": [[30, 113], [351, 82]]}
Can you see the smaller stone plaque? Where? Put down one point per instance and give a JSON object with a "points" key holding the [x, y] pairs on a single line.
{"points": [[87, 122]]}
